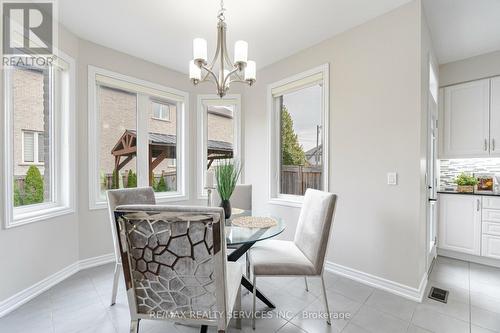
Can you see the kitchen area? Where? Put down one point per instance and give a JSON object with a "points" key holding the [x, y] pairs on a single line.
{"points": [[468, 171]]}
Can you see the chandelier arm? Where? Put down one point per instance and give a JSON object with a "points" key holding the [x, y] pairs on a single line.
{"points": [[209, 71], [228, 76], [243, 81]]}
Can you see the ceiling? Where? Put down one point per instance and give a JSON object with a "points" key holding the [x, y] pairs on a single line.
{"points": [[463, 28], [161, 31]]}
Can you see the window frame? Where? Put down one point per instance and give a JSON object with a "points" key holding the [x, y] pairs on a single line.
{"points": [[180, 98], [63, 136], [203, 101], [36, 148], [275, 197], [162, 104]]}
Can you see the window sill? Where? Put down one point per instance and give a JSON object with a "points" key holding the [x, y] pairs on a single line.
{"points": [[286, 202], [30, 164], [160, 119], [39, 215]]}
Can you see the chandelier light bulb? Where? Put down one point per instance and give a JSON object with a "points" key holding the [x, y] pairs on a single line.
{"points": [[200, 50], [251, 71], [194, 71], [240, 52]]}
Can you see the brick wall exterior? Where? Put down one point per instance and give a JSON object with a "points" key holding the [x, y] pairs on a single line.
{"points": [[27, 101]]}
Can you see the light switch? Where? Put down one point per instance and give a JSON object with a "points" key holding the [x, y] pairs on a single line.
{"points": [[392, 178]]}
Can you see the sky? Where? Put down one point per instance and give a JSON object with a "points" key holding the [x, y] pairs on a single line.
{"points": [[305, 108]]}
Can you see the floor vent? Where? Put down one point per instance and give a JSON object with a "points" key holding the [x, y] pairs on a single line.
{"points": [[439, 295]]}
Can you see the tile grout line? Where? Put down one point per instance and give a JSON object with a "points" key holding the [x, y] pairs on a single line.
{"points": [[470, 304]]}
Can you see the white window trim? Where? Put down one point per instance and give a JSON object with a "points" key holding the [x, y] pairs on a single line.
{"points": [[179, 97], [166, 119], [64, 156], [35, 147], [203, 101], [274, 137]]}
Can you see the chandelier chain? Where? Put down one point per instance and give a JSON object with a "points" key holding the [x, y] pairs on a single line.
{"points": [[220, 16]]}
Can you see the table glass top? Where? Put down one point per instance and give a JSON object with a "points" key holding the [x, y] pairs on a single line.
{"points": [[236, 235]]}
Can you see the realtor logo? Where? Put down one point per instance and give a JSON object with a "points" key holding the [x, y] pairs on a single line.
{"points": [[28, 28]]}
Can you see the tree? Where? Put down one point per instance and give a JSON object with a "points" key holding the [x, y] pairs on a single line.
{"points": [[18, 200], [115, 181], [33, 187], [131, 179], [291, 150], [161, 186]]}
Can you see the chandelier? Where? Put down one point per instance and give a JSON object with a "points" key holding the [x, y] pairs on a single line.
{"points": [[221, 71]]}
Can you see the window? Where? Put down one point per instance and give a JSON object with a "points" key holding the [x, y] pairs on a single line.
{"points": [[39, 141], [219, 128], [298, 109], [33, 147], [161, 111], [137, 136]]}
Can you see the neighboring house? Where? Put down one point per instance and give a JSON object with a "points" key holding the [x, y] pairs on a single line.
{"points": [[29, 139], [314, 156], [117, 111]]}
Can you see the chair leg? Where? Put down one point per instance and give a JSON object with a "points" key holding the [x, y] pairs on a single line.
{"points": [[238, 309], [254, 297], [134, 326], [328, 321], [305, 280], [116, 279], [248, 270]]}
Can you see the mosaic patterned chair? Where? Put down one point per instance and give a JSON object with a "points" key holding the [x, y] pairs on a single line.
{"points": [[175, 265], [139, 195], [305, 255]]}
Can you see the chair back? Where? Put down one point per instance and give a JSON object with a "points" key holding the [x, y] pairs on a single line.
{"points": [[126, 196], [241, 197], [174, 262], [313, 229]]}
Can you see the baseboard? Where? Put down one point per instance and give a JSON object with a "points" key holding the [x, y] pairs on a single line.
{"points": [[96, 261], [10, 304], [469, 257], [414, 294]]}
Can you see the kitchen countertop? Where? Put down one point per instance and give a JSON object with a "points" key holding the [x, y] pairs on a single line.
{"points": [[494, 194]]}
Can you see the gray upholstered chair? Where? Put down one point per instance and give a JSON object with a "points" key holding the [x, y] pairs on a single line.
{"points": [[175, 265], [127, 196], [241, 198], [305, 255]]}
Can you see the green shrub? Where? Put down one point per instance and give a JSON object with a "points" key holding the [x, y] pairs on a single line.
{"points": [[131, 179], [162, 185], [115, 182], [18, 200], [33, 186]]}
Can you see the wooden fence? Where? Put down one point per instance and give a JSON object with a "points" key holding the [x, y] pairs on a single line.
{"points": [[297, 179], [170, 179]]}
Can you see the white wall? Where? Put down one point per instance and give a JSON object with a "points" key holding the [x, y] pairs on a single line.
{"points": [[375, 117], [474, 68]]}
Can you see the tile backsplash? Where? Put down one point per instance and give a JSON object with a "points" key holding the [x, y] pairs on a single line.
{"points": [[450, 169]]}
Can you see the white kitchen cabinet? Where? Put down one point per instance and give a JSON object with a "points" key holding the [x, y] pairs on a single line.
{"points": [[491, 246], [460, 223], [465, 129], [495, 117]]}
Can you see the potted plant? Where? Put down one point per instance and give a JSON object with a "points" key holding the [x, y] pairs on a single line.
{"points": [[227, 173], [465, 183]]}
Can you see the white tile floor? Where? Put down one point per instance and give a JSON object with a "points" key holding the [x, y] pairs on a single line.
{"points": [[80, 304]]}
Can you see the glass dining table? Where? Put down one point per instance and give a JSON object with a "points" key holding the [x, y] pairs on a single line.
{"points": [[241, 239]]}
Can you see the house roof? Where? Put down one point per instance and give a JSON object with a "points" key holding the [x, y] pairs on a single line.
{"points": [[171, 140]]}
